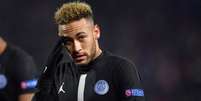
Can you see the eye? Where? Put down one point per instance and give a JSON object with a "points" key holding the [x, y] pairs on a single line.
{"points": [[82, 37]]}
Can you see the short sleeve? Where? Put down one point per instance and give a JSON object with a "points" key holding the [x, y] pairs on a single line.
{"points": [[25, 72], [128, 82]]}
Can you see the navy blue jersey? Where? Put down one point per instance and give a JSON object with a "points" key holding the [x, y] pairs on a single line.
{"points": [[110, 78], [18, 73], [107, 78]]}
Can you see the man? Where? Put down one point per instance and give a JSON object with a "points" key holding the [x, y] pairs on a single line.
{"points": [[92, 74], [17, 73]]}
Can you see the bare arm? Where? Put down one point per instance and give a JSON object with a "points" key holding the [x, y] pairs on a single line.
{"points": [[26, 97]]}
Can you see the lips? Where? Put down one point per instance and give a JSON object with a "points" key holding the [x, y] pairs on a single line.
{"points": [[79, 57]]}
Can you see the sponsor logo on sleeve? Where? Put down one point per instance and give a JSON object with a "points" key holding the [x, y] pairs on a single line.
{"points": [[134, 92], [101, 87], [3, 81], [28, 84]]}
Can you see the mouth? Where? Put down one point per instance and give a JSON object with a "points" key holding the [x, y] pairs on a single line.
{"points": [[79, 57]]}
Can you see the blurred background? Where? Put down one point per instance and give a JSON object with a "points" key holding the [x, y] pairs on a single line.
{"points": [[162, 37]]}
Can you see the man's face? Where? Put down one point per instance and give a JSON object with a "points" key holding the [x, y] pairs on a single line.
{"points": [[81, 40]]}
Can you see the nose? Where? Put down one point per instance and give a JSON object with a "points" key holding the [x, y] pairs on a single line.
{"points": [[77, 46]]}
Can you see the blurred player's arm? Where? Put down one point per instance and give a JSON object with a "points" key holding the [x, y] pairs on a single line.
{"points": [[26, 97]]}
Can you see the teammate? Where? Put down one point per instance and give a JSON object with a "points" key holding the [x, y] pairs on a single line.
{"points": [[93, 74], [17, 73]]}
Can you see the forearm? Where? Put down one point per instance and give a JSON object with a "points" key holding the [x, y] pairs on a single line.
{"points": [[26, 97]]}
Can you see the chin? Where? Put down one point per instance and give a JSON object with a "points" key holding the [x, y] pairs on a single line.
{"points": [[82, 63]]}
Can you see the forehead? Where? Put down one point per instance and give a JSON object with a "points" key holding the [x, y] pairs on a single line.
{"points": [[74, 27]]}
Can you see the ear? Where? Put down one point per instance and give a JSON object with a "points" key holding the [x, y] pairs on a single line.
{"points": [[96, 31]]}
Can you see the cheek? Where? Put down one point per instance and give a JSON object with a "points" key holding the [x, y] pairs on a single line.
{"points": [[87, 45]]}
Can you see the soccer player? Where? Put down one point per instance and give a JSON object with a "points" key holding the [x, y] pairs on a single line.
{"points": [[18, 73], [97, 75]]}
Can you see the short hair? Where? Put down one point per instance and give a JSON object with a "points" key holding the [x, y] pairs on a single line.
{"points": [[73, 11]]}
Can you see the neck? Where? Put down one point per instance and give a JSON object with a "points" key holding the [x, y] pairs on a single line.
{"points": [[3, 45], [98, 50]]}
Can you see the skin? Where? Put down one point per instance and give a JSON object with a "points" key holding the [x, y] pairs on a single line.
{"points": [[82, 40], [26, 97], [22, 97], [3, 45]]}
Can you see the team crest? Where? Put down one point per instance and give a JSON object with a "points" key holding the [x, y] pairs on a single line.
{"points": [[3, 81], [101, 87]]}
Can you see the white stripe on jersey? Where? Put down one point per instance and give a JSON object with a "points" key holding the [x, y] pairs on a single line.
{"points": [[81, 87]]}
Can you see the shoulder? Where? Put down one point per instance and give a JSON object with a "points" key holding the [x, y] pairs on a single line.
{"points": [[23, 63], [122, 67], [19, 57], [117, 59], [18, 52]]}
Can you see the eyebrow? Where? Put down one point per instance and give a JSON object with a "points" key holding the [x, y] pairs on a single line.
{"points": [[80, 33], [67, 38]]}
